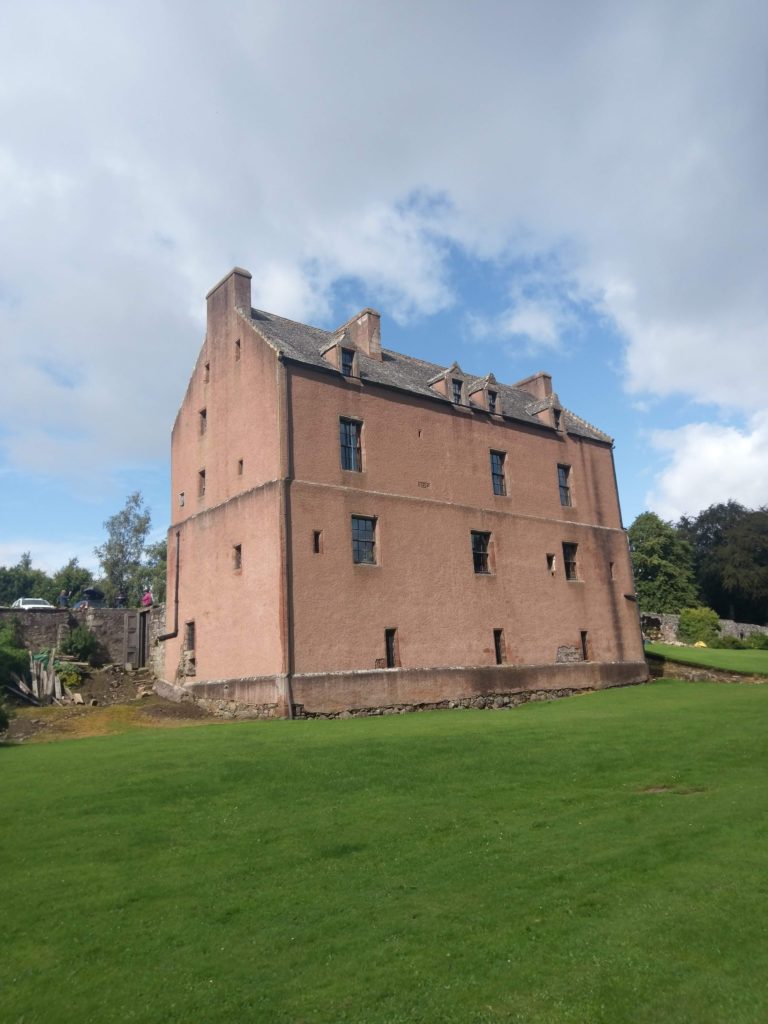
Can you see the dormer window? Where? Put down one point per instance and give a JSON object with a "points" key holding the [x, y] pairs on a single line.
{"points": [[492, 396], [456, 386], [347, 361], [556, 418]]}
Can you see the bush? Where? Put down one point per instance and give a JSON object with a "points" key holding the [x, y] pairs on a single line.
{"points": [[698, 624], [757, 642], [13, 656], [81, 644], [729, 643]]}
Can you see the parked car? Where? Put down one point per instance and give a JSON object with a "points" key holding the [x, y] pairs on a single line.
{"points": [[30, 603]]}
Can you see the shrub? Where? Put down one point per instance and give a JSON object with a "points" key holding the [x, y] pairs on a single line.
{"points": [[757, 642], [698, 624], [81, 644], [729, 643], [13, 656]]}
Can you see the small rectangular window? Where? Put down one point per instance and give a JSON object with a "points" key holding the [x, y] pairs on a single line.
{"points": [[498, 646], [564, 482], [612, 570], [203, 420], [206, 372], [492, 401], [584, 645], [364, 540], [481, 543], [201, 483], [390, 646], [237, 556], [569, 561], [350, 433], [347, 361], [237, 350], [556, 417], [497, 472], [239, 467], [317, 541], [456, 391], [181, 499], [189, 636], [551, 566]]}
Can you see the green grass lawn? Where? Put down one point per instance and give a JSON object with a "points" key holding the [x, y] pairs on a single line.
{"points": [[598, 859], [747, 662]]}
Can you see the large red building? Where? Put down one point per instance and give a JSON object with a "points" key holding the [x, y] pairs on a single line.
{"points": [[357, 529]]}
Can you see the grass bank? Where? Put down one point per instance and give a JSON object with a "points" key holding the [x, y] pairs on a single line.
{"points": [[745, 662], [599, 859]]}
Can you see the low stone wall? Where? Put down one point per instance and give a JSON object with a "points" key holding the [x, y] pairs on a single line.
{"points": [[663, 628], [665, 668], [397, 691]]}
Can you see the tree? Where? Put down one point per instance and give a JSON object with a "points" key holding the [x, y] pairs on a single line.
{"points": [[121, 554], [71, 578], [663, 565], [741, 562], [156, 569], [706, 533], [21, 580]]}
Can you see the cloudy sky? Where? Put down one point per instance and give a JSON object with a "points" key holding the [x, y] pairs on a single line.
{"points": [[577, 187]]}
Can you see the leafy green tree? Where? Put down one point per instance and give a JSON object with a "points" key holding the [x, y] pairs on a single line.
{"points": [[21, 580], [698, 624], [663, 565], [706, 533], [156, 569], [72, 578], [121, 554], [741, 561]]}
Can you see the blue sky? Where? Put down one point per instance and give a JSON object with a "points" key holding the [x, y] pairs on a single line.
{"points": [[517, 186]]}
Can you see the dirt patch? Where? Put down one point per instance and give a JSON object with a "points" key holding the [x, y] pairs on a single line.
{"points": [[676, 790]]}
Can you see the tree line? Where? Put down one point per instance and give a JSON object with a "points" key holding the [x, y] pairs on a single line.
{"points": [[128, 565], [718, 558]]}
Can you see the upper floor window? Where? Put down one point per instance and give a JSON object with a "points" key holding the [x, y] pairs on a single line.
{"points": [[237, 349], [203, 420], [569, 561], [347, 361], [237, 557], [492, 396], [497, 472], [564, 482], [556, 418], [206, 372], [481, 543], [364, 540], [350, 432], [201, 483], [456, 391]]}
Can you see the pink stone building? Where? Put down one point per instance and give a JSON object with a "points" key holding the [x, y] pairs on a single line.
{"points": [[357, 529]]}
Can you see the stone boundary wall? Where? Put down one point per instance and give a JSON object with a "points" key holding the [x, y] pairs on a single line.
{"points": [[398, 691], [663, 628], [666, 668], [47, 627]]}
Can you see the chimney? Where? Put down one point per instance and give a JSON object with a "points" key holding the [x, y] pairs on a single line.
{"points": [[232, 292], [538, 384], [364, 331]]}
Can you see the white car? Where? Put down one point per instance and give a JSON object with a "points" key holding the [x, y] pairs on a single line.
{"points": [[30, 603]]}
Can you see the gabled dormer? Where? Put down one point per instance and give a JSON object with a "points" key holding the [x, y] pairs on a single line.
{"points": [[549, 411], [342, 354], [484, 394], [451, 384]]}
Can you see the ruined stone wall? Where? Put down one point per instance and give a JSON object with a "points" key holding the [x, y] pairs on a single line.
{"points": [[663, 628]]}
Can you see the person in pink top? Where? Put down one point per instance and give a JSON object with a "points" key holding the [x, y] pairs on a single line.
{"points": [[146, 598]]}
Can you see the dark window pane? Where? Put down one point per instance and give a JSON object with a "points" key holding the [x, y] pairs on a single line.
{"points": [[391, 649], [347, 361], [349, 440], [456, 391], [497, 473], [491, 401], [363, 540], [569, 561], [564, 482], [498, 644], [480, 545]]}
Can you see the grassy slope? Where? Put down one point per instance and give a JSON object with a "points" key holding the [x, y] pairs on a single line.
{"points": [[447, 867], [748, 662]]}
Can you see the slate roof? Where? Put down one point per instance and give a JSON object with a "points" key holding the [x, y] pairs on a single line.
{"points": [[304, 344]]}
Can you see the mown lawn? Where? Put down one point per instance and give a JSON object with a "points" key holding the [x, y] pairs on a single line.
{"points": [[747, 662], [598, 859]]}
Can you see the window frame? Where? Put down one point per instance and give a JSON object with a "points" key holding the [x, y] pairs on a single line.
{"points": [[354, 452], [499, 646], [498, 476], [481, 552], [237, 557], [493, 397], [570, 561], [457, 390], [564, 484], [364, 540], [391, 648], [347, 361]]}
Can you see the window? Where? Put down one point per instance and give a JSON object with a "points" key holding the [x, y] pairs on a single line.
{"points": [[206, 372], [584, 645], [556, 417], [237, 556], [189, 636], [363, 540], [203, 418], [237, 350], [612, 570], [481, 543], [497, 472], [456, 391], [239, 467], [347, 361], [350, 432], [201, 483], [551, 564], [569, 561], [181, 499], [564, 482], [390, 646], [498, 646], [317, 541], [492, 396]]}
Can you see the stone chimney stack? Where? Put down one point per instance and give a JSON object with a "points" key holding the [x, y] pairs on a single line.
{"points": [[538, 384], [364, 331], [231, 293]]}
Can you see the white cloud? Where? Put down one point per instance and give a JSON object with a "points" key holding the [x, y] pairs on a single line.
{"points": [[147, 149], [708, 463], [49, 556]]}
